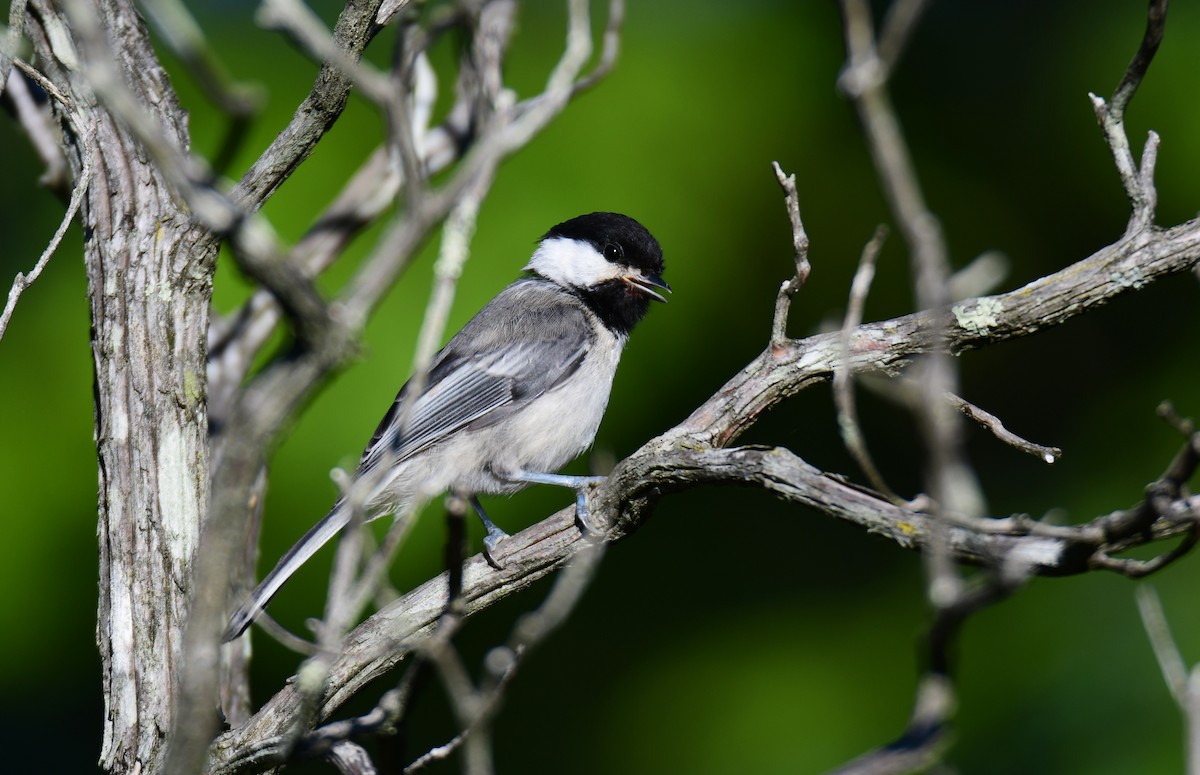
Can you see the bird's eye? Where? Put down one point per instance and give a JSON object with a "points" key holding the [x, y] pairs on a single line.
{"points": [[613, 252]]}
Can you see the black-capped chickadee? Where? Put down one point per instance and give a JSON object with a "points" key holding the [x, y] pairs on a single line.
{"points": [[512, 397]]}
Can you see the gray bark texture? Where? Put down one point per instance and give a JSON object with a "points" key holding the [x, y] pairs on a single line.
{"points": [[149, 283]]}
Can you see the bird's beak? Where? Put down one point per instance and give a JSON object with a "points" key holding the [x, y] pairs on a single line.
{"points": [[647, 285]]}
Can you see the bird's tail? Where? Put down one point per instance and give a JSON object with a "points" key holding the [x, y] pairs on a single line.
{"points": [[306, 547]]}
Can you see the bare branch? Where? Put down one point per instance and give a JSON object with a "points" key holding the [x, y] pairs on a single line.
{"points": [[1156, 21], [22, 281], [12, 37], [389, 9], [611, 48], [800, 242], [1138, 181], [950, 480], [926, 733], [1138, 569], [315, 115], [242, 102], [39, 126], [843, 377], [306, 28], [664, 465], [898, 25], [1184, 688], [994, 424], [512, 131]]}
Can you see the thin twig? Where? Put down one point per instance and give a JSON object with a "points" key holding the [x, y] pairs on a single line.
{"points": [[950, 479], [315, 40], [240, 101], [790, 287], [512, 130], [315, 115], [611, 48], [843, 376], [996, 426], [1156, 23], [405, 132], [12, 38], [1138, 180], [1184, 687], [501, 663], [1170, 661], [22, 281], [1139, 569], [898, 25], [41, 129], [285, 637]]}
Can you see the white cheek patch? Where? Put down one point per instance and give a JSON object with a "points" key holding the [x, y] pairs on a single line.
{"points": [[572, 263]]}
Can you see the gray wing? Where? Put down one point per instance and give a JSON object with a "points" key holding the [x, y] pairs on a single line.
{"points": [[488, 370], [523, 343]]}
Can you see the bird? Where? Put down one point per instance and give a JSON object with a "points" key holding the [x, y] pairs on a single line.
{"points": [[512, 397]]}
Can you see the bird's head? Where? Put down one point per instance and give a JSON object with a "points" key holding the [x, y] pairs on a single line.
{"points": [[609, 260]]}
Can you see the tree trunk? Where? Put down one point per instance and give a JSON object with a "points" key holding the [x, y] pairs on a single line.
{"points": [[149, 283]]}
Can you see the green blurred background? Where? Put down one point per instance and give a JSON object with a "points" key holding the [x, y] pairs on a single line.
{"points": [[731, 633]]}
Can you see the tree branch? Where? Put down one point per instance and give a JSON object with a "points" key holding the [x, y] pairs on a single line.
{"points": [[689, 455]]}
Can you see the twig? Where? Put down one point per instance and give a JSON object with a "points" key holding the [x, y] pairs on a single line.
{"points": [[457, 234], [406, 127], [951, 481], [339, 613], [1138, 180], [306, 28], [22, 281], [1156, 22], [898, 25], [996, 426], [478, 706], [316, 114], [436, 754], [843, 376], [12, 38], [790, 287], [286, 637], [388, 10], [1138, 569], [1184, 688], [1170, 661], [664, 465], [511, 131], [611, 48], [40, 128], [240, 101], [252, 238]]}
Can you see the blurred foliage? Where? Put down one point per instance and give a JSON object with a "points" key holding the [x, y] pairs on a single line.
{"points": [[732, 633]]}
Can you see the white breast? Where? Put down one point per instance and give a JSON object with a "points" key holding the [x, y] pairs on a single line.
{"points": [[540, 438], [555, 428]]}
